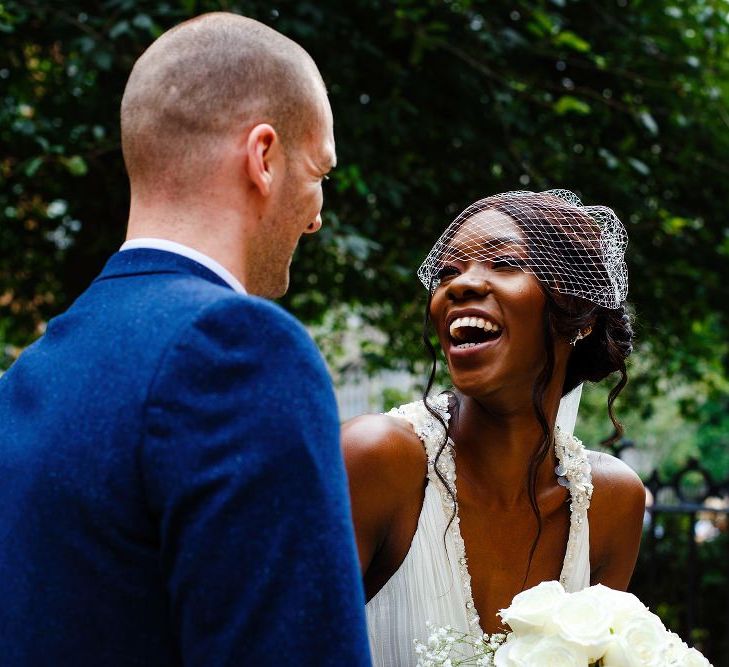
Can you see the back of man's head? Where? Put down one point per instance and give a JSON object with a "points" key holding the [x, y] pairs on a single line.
{"points": [[199, 85]]}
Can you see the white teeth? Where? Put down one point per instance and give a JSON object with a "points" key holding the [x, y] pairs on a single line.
{"points": [[476, 322], [463, 346]]}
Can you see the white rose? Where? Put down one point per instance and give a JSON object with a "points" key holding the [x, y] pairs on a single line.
{"points": [[532, 609], [677, 654], [514, 651], [692, 658], [623, 606], [618, 654], [531, 650], [585, 619], [674, 652], [555, 652], [641, 642]]}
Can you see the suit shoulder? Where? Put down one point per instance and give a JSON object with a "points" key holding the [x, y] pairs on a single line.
{"points": [[197, 300], [238, 319], [244, 306]]}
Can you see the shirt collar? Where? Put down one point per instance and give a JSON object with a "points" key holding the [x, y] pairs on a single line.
{"points": [[190, 253]]}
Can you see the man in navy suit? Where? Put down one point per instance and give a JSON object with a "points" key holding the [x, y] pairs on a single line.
{"points": [[171, 485]]}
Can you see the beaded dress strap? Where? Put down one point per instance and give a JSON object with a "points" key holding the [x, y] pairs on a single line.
{"points": [[426, 427], [575, 473]]}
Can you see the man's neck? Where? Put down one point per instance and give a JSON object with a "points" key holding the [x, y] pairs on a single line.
{"points": [[214, 233]]}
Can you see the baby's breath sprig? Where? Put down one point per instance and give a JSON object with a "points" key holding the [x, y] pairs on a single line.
{"points": [[447, 647]]}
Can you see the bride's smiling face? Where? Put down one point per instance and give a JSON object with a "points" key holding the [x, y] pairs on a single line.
{"points": [[488, 315]]}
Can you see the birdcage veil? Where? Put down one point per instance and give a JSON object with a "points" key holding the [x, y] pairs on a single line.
{"points": [[573, 249]]}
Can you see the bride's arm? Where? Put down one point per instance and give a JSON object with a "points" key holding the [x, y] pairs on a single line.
{"points": [[616, 521], [386, 467]]}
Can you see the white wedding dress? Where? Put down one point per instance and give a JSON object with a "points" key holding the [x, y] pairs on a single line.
{"points": [[433, 583]]}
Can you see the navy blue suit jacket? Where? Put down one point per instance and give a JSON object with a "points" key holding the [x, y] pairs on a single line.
{"points": [[171, 484]]}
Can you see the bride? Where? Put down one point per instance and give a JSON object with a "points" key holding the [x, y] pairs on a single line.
{"points": [[462, 500]]}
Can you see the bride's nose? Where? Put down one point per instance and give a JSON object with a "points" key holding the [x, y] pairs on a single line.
{"points": [[473, 282]]}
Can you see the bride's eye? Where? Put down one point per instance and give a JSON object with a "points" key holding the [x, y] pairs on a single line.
{"points": [[446, 271]]}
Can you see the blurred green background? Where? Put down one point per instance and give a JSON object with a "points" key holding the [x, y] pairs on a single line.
{"points": [[436, 104]]}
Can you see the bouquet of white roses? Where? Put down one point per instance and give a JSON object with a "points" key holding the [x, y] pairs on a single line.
{"points": [[596, 627]]}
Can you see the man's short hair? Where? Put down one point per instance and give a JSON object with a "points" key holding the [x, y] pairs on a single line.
{"points": [[202, 81]]}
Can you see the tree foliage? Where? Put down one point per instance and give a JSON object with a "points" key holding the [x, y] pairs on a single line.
{"points": [[437, 103]]}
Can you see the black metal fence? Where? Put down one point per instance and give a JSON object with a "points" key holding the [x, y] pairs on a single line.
{"points": [[683, 568]]}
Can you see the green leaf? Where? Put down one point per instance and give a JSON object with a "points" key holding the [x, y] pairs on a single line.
{"points": [[723, 248], [675, 225], [75, 165], [610, 160], [103, 60], [569, 104], [144, 22], [572, 41], [33, 166], [119, 29], [544, 23], [639, 166], [350, 177]]}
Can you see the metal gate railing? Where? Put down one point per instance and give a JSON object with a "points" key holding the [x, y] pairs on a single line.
{"points": [[683, 569]]}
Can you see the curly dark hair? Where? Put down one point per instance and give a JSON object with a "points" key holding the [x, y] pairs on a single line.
{"points": [[593, 358]]}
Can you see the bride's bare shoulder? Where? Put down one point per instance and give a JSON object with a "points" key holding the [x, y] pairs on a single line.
{"points": [[616, 519], [383, 445], [614, 480], [387, 467]]}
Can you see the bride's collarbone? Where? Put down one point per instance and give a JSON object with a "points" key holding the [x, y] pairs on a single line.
{"points": [[498, 542], [482, 502]]}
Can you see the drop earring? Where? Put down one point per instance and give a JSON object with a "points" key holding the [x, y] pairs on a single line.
{"points": [[584, 333]]}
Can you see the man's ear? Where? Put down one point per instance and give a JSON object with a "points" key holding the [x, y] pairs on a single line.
{"points": [[262, 146]]}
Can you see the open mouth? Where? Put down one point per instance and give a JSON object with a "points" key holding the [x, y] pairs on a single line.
{"points": [[466, 332]]}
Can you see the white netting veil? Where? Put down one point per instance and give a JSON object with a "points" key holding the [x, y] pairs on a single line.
{"points": [[573, 249]]}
